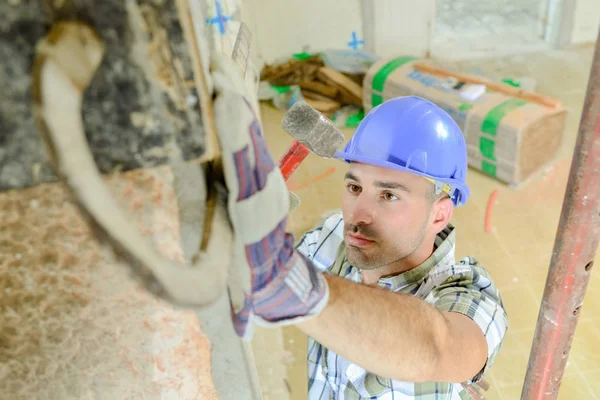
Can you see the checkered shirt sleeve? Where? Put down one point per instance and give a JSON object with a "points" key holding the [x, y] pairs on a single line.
{"points": [[468, 290]]}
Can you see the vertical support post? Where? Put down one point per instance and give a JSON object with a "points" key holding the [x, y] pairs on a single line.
{"points": [[575, 246]]}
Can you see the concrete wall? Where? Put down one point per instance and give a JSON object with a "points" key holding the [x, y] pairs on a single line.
{"points": [[440, 28], [387, 27], [281, 28], [399, 27], [586, 21], [473, 28]]}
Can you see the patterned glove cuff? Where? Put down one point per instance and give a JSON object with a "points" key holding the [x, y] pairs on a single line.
{"points": [[298, 293]]}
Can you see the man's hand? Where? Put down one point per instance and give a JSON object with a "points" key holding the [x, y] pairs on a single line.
{"points": [[270, 282]]}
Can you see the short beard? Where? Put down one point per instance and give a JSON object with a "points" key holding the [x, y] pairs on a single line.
{"points": [[381, 259]]}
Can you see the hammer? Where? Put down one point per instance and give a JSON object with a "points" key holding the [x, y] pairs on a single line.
{"points": [[312, 131]]}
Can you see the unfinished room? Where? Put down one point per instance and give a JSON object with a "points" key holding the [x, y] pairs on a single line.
{"points": [[299, 199]]}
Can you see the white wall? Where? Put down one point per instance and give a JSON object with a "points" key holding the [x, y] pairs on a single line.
{"points": [[391, 28], [387, 27], [399, 27], [586, 21], [283, 27]]}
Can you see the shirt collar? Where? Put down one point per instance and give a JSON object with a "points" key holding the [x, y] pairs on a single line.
{"points": [[444, 253]]}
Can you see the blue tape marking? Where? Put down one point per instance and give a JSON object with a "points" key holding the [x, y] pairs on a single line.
{"points": [[220, 19], [355, 42]]}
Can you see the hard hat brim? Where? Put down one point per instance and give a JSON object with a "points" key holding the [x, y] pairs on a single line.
{"points": [[462, 188]]}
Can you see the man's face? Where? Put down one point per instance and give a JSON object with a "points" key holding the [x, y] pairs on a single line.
{"points": [[387, 215]]}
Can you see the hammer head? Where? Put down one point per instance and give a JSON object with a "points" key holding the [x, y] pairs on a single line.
{"points": [[312, 129]]}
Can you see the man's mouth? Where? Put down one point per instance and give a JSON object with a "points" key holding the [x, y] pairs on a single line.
{"points": [[352, 239]]}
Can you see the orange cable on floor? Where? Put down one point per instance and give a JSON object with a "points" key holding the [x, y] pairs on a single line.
{"points": [[488, 212]]}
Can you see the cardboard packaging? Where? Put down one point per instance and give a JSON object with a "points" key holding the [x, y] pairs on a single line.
{"points": [[511, 134]]}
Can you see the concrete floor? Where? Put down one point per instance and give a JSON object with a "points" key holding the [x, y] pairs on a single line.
{"points": [[516, 252]]}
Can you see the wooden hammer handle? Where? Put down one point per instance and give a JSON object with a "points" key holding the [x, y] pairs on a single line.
{"points": [[497, 86]]}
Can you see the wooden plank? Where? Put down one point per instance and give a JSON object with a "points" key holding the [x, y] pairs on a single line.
{"points": [[314, 96], [342, 81], [346, 96], [324, 106], [304, 72], [320, 88], [272, 73]]}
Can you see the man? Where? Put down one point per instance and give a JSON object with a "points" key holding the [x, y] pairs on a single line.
{"points": [[389, 312]]}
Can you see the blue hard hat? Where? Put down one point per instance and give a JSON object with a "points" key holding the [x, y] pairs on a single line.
{"points": [[414, 135]]}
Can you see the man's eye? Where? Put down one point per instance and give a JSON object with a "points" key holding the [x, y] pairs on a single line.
{"points": [[389, 196], [353, 188]]}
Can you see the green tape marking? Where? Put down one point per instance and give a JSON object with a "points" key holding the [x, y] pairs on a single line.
{"points": [[281, 89], [302, 56], [354, 120], [487, 147], [376, 100], [488, 168], [465, 106], [491, 122], [511, 82], [382, 75]]}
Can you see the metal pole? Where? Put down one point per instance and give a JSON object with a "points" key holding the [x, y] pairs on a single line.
{"points": [[572, 259]]}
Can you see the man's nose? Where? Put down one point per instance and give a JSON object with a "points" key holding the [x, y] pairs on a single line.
{"points": [[362, 212]]}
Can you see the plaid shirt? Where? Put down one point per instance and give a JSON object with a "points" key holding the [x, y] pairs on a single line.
{"points": [[464, 288]]}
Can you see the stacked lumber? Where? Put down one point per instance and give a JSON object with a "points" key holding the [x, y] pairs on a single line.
{"points": [[324, 88]]}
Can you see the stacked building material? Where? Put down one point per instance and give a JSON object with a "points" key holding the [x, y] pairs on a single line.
{"points": [[323, 87], [510, 133]]}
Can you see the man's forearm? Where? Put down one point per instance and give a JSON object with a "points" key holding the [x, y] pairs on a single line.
{"points": [[389, 334]]}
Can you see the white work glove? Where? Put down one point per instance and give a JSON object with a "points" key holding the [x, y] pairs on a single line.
{"points": [[294, 201], [271, 283]]}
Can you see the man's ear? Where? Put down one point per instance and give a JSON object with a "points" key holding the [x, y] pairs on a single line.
{"points": [[442, 213]]}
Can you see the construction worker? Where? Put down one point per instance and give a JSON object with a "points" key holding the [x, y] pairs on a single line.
{"points": [[389, 312]]}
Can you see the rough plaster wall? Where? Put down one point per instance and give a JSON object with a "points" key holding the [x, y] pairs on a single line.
{"points": [[135, 105], [73, 325], [587, 21], [281, 28], [486, 25], [466, 17]]}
